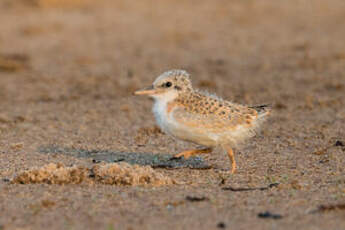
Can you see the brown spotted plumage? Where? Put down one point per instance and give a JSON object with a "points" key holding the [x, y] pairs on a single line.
{"points": [[199, 117]]}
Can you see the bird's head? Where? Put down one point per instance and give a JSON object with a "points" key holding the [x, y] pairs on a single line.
{"points": [[168, 85]]}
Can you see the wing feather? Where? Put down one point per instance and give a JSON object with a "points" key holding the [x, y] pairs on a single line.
{"points": [[210, 122]]}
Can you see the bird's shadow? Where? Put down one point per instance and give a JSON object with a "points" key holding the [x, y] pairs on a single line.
{"points": [[153, 160]]}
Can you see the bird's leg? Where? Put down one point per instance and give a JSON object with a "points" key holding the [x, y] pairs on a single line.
{"points": [[188, 153], [232, 159]]}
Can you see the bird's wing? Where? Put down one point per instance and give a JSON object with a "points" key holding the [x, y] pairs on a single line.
{"points": [[218, 121]]}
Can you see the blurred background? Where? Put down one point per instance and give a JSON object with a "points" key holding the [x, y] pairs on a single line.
{"points": [[62, 49], [67, 72]]}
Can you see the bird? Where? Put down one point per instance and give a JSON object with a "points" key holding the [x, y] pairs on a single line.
{"points": [[202, 118]]}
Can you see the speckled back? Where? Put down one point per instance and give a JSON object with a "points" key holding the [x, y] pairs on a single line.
{"points": [[199, 103]]}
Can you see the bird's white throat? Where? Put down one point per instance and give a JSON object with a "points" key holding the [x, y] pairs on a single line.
{"points": [[160, 107]]}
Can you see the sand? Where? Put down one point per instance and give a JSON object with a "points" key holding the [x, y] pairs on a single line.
{"points": [[67, 73], [111, 174]]}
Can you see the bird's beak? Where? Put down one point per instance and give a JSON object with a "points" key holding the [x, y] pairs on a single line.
{"points": [[145, 91]]}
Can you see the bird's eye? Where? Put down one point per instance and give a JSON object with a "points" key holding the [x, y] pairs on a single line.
{"points": [[167, 84]]}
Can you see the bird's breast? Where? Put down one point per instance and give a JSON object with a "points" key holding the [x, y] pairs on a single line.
{"points": [[164, 117], [161, 110]]}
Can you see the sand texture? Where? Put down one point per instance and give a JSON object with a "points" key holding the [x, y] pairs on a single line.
{"points": [[79, 151]]}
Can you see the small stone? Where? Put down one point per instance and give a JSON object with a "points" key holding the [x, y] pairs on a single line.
{"points": [[339, 143], [267, 214], [221, 225]]}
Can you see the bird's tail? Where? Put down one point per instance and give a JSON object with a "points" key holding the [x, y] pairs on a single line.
{"points": [[263, 110]]}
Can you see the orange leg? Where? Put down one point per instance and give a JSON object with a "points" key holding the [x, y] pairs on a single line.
{"points": [[232, 159], [189, 153]]}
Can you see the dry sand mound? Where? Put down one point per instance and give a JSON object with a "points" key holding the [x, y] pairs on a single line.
{"points": [[113, 174]]}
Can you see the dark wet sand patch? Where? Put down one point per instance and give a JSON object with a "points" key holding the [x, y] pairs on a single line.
{"points": [[153, 160]]}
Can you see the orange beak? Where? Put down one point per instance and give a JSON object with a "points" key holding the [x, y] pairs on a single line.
{"points": [[146, 91]]}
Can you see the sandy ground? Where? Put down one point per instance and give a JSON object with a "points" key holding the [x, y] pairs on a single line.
{"points": [[67, 71]]}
